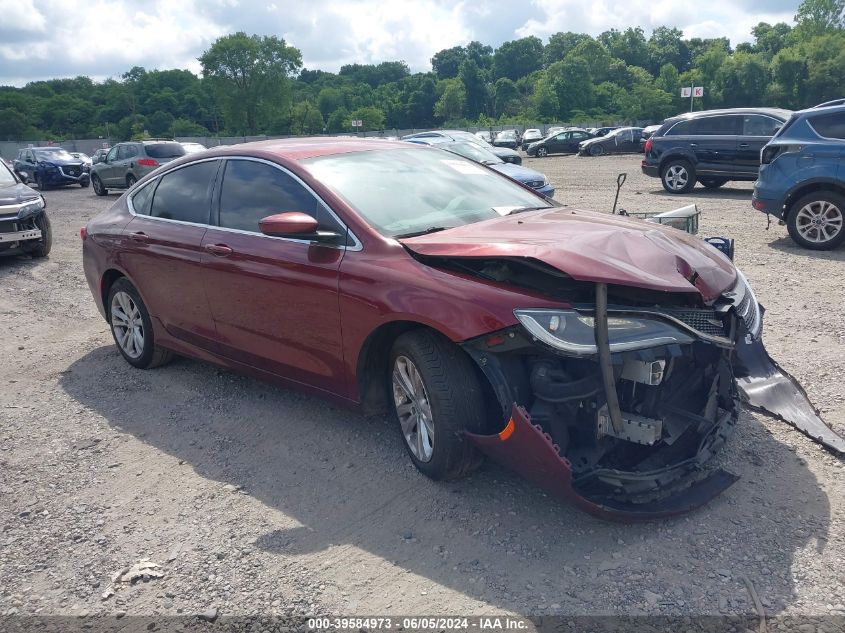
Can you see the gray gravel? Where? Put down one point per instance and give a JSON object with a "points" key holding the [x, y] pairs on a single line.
{"points": [[192, 490]]}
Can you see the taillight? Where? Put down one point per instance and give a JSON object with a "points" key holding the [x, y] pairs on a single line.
{"points": [[148, 162], [648, 145], [83, 233]]}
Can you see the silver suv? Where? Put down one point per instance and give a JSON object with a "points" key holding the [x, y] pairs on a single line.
{"points": [[126, 163]]}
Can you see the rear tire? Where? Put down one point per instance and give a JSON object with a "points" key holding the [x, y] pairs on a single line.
{"points": [[132, 328], [97, 184], [815, 221], [677, 176], [434, 386], [43, 247], [712, 183], [130, 180]]}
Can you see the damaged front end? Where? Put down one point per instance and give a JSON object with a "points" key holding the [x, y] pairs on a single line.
{"points": [[618, 404]]}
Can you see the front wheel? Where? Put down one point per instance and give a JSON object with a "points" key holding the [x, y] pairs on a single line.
{"points": [[712, 183], [84, 183], [815, 221], [132, 327], [98, 186], [42, 247], [542, 152], [596, 150], [40, 183], [436, 396], [678, 176]]}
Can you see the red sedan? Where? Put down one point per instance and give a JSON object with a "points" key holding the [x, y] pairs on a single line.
{"points": [[591, 353]]}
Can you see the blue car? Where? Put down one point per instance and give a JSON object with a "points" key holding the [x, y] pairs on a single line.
{"points": [[534, 179], [50, 167], [802, 177]]}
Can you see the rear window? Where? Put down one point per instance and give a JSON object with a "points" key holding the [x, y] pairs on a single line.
{"points": [[165, 150], [829, 125]]}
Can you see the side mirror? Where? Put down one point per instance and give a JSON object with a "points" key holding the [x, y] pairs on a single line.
{"points": [[291, 224]]}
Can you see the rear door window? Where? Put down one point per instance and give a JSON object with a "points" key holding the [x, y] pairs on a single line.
{"points": [[185, 194], [681, 128], [760, 125], [718, 125], [829, 125], [143, 198]]}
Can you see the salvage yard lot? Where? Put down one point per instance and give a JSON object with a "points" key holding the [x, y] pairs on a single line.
{"points": [[253, 499]]}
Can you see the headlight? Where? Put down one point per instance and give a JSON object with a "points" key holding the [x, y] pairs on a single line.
{"points": [[573, 332], [31, 209]]}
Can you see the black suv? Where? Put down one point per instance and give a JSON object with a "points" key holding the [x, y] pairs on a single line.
{"points": [[711, 147]]}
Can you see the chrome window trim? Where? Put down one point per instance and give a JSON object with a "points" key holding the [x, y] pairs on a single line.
{"points": [[356, 245]]}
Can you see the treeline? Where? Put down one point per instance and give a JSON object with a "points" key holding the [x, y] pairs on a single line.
{"points": [[256, 85]]}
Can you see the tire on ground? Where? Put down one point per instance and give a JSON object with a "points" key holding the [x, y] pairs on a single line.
{"points": [[152, 355], [798, 223]]}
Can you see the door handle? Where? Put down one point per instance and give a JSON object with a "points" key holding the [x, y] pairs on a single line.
{"points": [[743, 144], [693, 144], [139, 236], [220, 250]]}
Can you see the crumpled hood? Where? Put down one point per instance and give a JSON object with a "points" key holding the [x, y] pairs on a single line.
{"points": [[15, 194], [592, 247]]}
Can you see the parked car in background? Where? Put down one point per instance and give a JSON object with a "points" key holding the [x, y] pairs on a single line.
{"points": [[50, 167], [711, 147], [24, 225], [487, 331], [531, 135], [99, 155], [646, 134], [603, 131], [565, 142], [507, 138], [623, 140], [126, 163], [802, 177], [506, 154], [485, 136], [86, 160], [193, 148], [528, 177], [554, 130]]}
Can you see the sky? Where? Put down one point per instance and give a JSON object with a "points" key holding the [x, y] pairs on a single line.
{"points": [[45, 39]]}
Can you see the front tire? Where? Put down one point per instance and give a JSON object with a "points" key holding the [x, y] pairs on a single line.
{"points": [[815, 221], [98, 186], [542, 152], [677, 176], [596, 150], [435, 395], [712, 183], [43, 247], [132, 328], [39, 181]]}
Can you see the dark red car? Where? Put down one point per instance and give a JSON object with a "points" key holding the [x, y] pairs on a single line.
{"points": [[591, 353]]}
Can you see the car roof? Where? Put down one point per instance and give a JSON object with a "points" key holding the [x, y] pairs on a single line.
{"points": [[776, 112], [822, 109], [297, 149]]}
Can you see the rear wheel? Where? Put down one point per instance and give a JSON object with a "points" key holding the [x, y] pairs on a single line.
{"points": [[97, 184], [130, 180], [542, 152], [678, 176], [85, 183], [815, 221], [712, 183], [132, 328], [39, 181], [596, 150], [436, 396]]}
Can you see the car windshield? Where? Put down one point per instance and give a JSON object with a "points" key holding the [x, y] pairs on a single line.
{"points": [[52, 153], [407, 191], [473, 152], [6, 177]]}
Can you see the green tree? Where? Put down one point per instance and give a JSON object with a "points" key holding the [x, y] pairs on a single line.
{"points": [[560, 44], [476, 88], [306, 119], [630, 46], [250, 76], [450, 105], [816, 17], [518, 57], [506, 97], [371, 117], [742, 81], [666, 46], [446, 63]]}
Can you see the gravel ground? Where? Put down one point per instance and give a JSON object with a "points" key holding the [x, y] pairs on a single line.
{"points": [[255, 500]]}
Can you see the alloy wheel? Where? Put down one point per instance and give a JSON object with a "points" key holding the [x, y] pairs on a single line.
{"points": [[127, 324], [819, 221], [413, 408], [676, 177]]}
